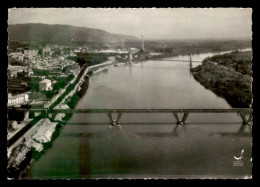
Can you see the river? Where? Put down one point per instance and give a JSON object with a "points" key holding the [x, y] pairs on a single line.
{"points": [[150, 146]]}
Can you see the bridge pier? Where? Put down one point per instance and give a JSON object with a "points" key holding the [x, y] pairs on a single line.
{"points": [[184, 118], [246, 121], [112, 121]]}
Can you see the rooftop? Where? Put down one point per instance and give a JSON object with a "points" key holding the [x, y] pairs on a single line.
{"points": [[45, 81], [17, 96]]}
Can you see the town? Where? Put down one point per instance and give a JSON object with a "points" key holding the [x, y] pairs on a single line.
{"points": [[47, 76], [38, 74]]}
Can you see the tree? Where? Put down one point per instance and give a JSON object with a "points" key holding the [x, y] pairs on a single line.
{"points": [[49, 94], [13, 114], [40, 52]]}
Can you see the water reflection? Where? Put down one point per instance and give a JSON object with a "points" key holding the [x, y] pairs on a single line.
{"points": [[179, 129], [243, 131], [130, 69]]}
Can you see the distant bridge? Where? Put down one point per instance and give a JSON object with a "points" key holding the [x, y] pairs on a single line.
{"points": [[180, 60], [190, 61]]}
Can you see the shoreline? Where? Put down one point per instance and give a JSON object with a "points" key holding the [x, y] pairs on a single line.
{"points": [[234, 87], [32, 155]]}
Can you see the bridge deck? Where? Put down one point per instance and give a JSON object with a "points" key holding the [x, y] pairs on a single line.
{"points": [[242, 111], [232, 110]]}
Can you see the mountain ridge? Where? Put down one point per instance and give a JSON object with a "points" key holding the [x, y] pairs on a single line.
{"points": [[59, 33]]}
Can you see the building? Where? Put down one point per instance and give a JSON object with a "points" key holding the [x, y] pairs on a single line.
{"points": [[45, 130], [45, 85], [46, 50], [111, 58], [155, 54], [21, 73], [12, 73], [12, 124], [20, 58], [20, 49], [30, 72], [17, 99], [17, 56], [31, 53], [134, 50]]}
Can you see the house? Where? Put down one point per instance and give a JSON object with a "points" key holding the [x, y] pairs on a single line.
{"points": [[12, 124], [134, 50], [30, 53], [44, 131], [46, 51], [111, 58], [12, 73], [45, 85], [21, 73], [20, 58], [30, 72], [20, 49], [17, 99], [17, 56]]}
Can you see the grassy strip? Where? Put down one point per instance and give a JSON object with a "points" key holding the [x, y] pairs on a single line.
{"points": [[69, 88]]}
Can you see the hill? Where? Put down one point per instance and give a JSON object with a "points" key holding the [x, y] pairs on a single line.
{"points": [[62, 33]]}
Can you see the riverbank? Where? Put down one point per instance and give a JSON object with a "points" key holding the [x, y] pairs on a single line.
{"points": [[70, 99], [30, 149], [33, 142], [216, 74]]}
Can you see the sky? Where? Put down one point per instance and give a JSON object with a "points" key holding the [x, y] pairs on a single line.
{"points": [[156, 23]]}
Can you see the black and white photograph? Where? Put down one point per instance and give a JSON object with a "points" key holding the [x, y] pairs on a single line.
{"points": [[129, 93]]}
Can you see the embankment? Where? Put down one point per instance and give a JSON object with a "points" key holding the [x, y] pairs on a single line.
{"points": [[19, 163], [75, 92]]}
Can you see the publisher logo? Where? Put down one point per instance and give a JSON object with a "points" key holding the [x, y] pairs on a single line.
{"points": [[238, 161]]}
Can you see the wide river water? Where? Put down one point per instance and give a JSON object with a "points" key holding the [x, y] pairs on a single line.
{"points": [[151, 145]]}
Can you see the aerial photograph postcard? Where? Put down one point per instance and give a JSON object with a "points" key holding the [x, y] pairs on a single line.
{"points": [[129, 93]]}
